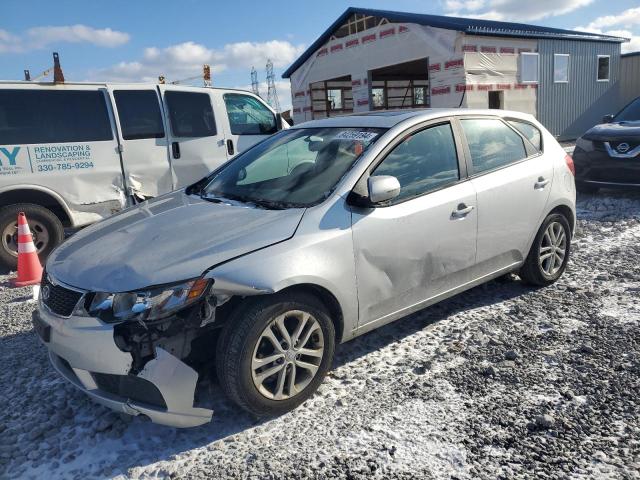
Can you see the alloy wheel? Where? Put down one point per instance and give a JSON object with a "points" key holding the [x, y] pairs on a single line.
{"points": [[553, 249], [287, 355]]}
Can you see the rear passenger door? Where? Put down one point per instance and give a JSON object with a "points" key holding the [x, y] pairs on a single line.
{"points": [[196, 138], [249, 121], [143, 140], [512, 179]]}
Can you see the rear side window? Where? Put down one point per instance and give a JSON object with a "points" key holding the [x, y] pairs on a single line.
{"points": [[529, 131], [190, 114], [139, 114], [50, 116], [492, 144], [248, 116], [422, 162]]}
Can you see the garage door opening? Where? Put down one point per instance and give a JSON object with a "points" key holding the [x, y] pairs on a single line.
{"points": [[404, 85], [332, 97]]}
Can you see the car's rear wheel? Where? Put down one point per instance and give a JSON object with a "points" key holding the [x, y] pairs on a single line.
{"points": [[274, 352], [549, 253], [46, 229]]}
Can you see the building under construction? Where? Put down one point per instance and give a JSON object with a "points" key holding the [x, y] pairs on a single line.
{"points": [[375, 59]]}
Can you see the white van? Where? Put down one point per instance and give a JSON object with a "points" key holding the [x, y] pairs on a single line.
{"points": [[74, 153]]}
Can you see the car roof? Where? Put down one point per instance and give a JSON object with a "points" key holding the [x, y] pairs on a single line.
{"points": [[391, 118]]}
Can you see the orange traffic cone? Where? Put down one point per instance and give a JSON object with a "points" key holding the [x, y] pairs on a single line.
{"points": [[29, 268]]}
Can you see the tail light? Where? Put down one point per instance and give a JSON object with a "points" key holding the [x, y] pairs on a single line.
{"points": [[569, 161]]}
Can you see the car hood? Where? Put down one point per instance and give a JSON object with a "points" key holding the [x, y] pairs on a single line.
{"points": [[171, 238], [608, 132]]}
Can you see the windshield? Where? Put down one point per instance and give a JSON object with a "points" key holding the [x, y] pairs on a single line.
{"points": [[294, 168], [630, 113]]}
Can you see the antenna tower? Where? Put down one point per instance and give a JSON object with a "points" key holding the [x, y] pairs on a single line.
{"points": [[272, 95]]}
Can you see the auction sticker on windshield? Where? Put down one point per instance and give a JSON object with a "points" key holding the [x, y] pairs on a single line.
{"points": [[355, 135]]}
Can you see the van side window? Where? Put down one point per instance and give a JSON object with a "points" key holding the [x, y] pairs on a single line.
{"points": [[53, 116], [422, 162], [248, 116], [492, 143], [190, 114], [529, 131], [139, 114]]}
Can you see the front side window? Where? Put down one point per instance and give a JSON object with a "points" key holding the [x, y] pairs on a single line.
{"points": [[492, 144], [630, 113], [560, 68], [423, 162], [139, 114], [249, 116], [190, 114], [53, 116], [293, 168], [603, 68], [529, 131]]}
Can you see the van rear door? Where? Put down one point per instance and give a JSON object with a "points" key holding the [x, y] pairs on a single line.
{"points": [[248, 120], [143, 139], [60, 139], [196, 137]]}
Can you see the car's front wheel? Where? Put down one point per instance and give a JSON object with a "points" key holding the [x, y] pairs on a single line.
{"points": [[549, 253], [274, 352]]}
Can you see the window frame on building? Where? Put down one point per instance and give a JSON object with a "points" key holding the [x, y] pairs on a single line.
{"points": [[598, 79], [555, 67], [523, 56]]}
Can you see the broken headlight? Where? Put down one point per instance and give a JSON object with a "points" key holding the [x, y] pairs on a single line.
{"points": [[152, 304]]}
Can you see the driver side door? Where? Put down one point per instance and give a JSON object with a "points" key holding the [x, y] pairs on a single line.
{"points": [[423, 243]]}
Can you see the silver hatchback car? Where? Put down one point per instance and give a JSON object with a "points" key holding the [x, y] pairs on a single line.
{"points": [[316, 235]]}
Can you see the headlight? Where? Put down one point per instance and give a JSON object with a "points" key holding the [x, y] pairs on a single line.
{"points": [[586, 145], [147, 305]]}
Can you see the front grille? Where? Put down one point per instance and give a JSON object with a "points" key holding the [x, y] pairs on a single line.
{"points": [[630, 145], [60, 300], [130, 387]]}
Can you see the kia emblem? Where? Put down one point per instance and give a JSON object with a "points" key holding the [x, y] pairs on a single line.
{"points": [[623, 147]]}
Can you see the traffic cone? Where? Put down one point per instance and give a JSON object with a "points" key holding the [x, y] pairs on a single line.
{"points": [[29, 268]]}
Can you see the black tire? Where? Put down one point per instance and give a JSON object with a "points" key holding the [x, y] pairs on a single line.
{"points": [[532, 272], [44, 218], [586, 188], [239, 338]]}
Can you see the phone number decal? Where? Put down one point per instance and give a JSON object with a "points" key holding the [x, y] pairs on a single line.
{"points": [[51, 167]]}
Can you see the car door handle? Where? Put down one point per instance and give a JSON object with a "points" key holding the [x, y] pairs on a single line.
{"points": [[175, 150], [461, 212], [541, 183], [230, 148]]}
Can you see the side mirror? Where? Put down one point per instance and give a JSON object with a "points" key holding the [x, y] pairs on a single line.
{"points": [[607, 118], [382, 188], [278, 122]]}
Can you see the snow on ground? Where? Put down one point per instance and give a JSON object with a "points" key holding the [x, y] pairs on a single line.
{"points": [[503, 381]]}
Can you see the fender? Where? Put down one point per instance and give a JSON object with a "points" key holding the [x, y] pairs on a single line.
{"points": [[57, 197]]}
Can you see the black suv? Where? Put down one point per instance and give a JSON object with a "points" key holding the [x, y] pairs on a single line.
{"points": [[608, 155]]}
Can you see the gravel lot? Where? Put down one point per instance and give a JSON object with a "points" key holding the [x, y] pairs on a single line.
{"points": [[503, 381]]}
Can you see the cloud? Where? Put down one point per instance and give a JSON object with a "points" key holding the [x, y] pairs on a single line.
{"points": [[185, 60], [625, 21], [512, 10], [41, 37]]}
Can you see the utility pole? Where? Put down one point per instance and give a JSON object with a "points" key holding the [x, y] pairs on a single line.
{"points": [[272, 95]]}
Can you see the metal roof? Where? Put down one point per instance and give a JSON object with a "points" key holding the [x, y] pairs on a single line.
{"points": [[630, 54], [466, 25]]}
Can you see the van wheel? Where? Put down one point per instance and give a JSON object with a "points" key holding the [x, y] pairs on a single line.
{"points": [[46, 229], [274, 352], [549, 253]]}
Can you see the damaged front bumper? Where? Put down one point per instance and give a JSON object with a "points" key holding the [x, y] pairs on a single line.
{"points": [[83, 351]]}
